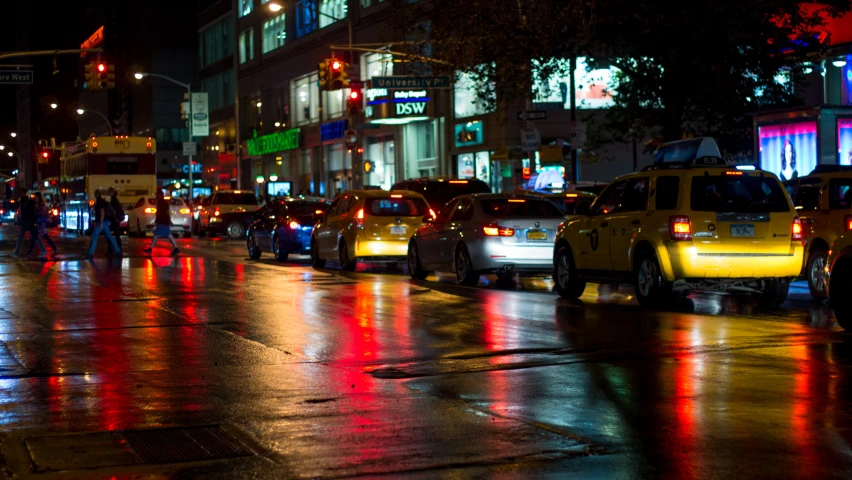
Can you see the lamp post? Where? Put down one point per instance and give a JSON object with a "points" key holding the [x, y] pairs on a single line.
{"points": [[81, 111], [140, 76]]}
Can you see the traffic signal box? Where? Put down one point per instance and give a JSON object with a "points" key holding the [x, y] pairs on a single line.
{"points": [[333, 74], [354, 101], [99, 76]]}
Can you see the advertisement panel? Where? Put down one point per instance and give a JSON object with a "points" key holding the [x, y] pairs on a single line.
{"points": [[844, 141], [788, 150]]}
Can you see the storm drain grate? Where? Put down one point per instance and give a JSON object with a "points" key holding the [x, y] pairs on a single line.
{"points": [[171, 445]]}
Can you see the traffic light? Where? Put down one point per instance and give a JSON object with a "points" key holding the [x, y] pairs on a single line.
{"points": [[91, 77], [44, 157], [368, 166], [105, 75], [353, 102], [322, 68], [338, 74]]}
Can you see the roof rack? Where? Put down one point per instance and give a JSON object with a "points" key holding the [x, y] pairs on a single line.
{"points": [[831, 169]]}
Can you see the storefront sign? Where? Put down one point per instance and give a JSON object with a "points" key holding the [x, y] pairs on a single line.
{"points": [[274, 142], [333, 130], [374, 93], [844, 141], [386, 106], [468, 133], [96, 39], [788, 150]]}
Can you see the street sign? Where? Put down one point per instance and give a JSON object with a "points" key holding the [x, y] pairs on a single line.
{"points": [[200, 114], [8, 77], [411, 82], [190, 148], [350, 138], [578, 135], [530, 140], [530, 115]]}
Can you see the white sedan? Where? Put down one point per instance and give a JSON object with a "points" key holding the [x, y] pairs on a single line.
{"points": [[142, 218]]}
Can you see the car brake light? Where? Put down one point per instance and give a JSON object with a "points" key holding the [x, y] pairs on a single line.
{"points": [[735, 173], [458, 181], [294, 225], [432, 213], [516, 200], [495, 231], [798, 232], [572, 195], [680, 228], [216, 212], [847, 220], [396, 196], [359, 219], [318, 212], [55, 212], [150, 210], [185, 211]]}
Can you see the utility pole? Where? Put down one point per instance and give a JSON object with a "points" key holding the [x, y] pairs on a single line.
{"points": [[572, 95]]}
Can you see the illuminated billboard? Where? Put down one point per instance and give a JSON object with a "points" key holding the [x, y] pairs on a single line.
{"points": [[844, 141], [788, 150]]}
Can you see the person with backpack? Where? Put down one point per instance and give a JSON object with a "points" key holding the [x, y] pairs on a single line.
{"points": [[103, 215], [42, 214], [164, 225], [119, 216]]}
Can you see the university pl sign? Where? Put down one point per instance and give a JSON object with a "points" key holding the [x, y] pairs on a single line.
{"points": [[273, 143]]}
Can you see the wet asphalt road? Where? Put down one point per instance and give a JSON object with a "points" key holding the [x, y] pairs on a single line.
{"points": [[323, 374]]}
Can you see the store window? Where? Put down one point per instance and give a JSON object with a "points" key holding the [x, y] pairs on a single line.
{"points": [[338, 157], [274, 33], [381, 153], [331, 11], [305, 99], [306, 17], [246, 7], [247, 46], [334, 104], [378, 65], [214, 42], [467, 101], [594, 88]]}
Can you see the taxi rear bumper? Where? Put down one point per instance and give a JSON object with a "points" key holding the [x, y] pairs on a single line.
{"points": [[382, 250], [687, 262]]}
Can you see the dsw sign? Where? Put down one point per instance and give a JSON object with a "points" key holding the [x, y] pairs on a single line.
{"points": [[413, 108]]}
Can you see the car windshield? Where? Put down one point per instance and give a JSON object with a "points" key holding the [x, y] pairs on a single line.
{"points": [[389, 207], [519, 207], [726, 193], [305, 208], [236, 199]]}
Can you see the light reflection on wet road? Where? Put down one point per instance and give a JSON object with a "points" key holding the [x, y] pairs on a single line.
{"points": [[330, 374]]}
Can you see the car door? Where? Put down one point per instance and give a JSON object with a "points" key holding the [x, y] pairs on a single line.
{"points": [[429, 246], [806, 199], [262, 228], [625, 221], [323, 232], [452, 232], [594, 234], [836, 213]]}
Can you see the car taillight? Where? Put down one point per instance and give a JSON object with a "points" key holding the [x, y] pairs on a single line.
{"points": [[55, 212], [497, 231], [216, 212], [432, 214], [847, 221], [680, 228], [185, 211], [359, 219], [294, 225], [798, 232], [150, 210]]}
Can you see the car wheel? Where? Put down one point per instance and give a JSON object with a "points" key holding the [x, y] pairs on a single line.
{"points": [[464, 268], [414, 268], [568, 285], [774, 292], [651, 290], [235, 230], [840, 284], [280, 254], [251, 245], [815, 272], [316, 261], [346, 264]]}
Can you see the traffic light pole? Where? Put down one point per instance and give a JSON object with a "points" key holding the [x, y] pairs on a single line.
{"points": [[35, 53]]}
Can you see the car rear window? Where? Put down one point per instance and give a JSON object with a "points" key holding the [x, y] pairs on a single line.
{"points": [[439, 194], [742, 193], [400, 207], [514, 207], [305, 208], [236, 199]]}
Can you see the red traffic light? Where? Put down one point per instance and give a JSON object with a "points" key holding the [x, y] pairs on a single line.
{"points": [[354, 94], [44, 154], [335, 65], [102, 67]]}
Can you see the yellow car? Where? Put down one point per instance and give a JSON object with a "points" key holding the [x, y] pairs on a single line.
{"points": [[838, 280], [368, 226], [823, 200], [686, 223]]}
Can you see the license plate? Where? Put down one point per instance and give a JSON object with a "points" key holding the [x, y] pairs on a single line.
{"points": [[742, 230], [536, 235], [398, 230]]}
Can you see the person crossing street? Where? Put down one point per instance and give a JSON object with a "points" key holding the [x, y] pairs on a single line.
{"points": [[163, 220], [104, 216]]}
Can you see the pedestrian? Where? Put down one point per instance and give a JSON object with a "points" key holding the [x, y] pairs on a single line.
{"points": [[26, 223], [104, 216], [164, 225], [119, 217], [42, 214]]}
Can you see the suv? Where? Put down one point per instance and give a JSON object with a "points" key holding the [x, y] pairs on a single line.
{"points": [[823, 200], [686, 223], [838, 280], [229, 211], [439, 191]]}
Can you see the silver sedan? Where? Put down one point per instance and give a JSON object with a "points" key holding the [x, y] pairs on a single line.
{"points": [[487, 233]]}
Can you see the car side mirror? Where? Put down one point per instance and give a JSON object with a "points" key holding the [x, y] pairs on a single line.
{"points": [[583, 208], [428, 218]]}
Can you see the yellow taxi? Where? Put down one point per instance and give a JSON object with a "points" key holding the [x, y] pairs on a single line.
{"points": [[368, 226], [689, 222], [838, 280], [823, 200], [566, 202]]}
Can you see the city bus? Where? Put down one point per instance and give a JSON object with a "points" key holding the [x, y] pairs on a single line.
{"points": [[125, 163]]}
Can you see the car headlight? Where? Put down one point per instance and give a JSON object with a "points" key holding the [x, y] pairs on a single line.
{"points": [[126, 218], [215, 220]]}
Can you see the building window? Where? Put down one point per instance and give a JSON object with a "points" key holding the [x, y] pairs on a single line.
{"points": [[370, 3], [378, 65], [594, 88], [274, 33], [247, 46], [246, 6], [214, 42], [220, 90], [334, 103], [467, 102], [331, 11], [306, 17], [305, 99]]}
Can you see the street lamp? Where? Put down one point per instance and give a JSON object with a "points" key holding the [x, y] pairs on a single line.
{"points": [[274, 7], [13, 134], [53, 106], [140, 76], [81, 111]]}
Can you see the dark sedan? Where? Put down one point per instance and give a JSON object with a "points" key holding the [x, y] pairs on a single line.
{"points": [[284, 227]]}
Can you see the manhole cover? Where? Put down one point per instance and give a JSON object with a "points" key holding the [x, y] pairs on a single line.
{"points": [[132, 447]]}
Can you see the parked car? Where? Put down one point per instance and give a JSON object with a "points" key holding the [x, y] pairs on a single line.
{"points": [[8, 212], [229, 212], [141, 219], [368, 226], [284, 226], [487, 233], [196, 213], [439, 191]]}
